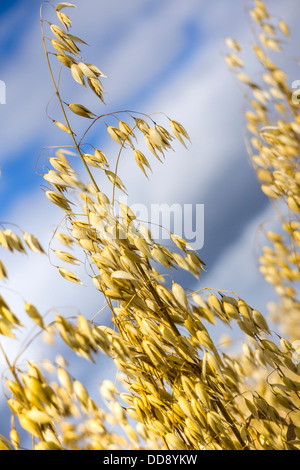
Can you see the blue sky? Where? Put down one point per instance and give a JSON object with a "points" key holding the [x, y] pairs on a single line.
{"points": [[159, 55]]}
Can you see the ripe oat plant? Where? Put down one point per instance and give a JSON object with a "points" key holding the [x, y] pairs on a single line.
{"points": [[175, 389]]}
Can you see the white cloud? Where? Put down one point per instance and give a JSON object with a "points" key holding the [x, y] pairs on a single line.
{"points": [[237, 268]]}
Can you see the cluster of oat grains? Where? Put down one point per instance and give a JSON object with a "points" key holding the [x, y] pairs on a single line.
{"points": [[177, 389]]}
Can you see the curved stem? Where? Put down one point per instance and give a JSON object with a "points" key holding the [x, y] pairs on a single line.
{"points": [[62, 106], [113, 114]]}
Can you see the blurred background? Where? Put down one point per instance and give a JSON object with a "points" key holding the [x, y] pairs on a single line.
{"points": [[160, 56]]}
